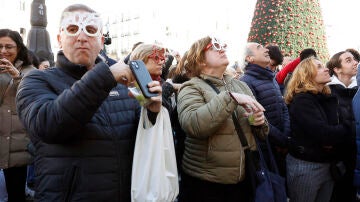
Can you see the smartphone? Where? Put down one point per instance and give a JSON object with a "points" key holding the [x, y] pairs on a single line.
{"points": [[142, 77]]}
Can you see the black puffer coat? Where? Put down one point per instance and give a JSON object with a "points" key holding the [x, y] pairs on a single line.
{"points": [[267, 92], [83, 125]]}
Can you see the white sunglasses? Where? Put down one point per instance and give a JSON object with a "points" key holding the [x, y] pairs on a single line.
{"points": [[75, 22], [216, 45]]}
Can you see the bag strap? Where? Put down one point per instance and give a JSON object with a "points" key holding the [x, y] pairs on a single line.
{"points": [[212, 85], [244, 141], [238, 129], [272, 163]]}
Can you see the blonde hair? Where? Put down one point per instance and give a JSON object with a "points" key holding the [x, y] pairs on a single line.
{"points": [[143, 51], [181, 66], [303, 80], [196, 56]]}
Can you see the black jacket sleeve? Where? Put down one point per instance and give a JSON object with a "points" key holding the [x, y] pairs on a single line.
{"points": [[56, 118]]}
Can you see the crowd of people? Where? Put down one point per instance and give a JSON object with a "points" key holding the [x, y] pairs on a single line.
{"points": [[68, 130]]}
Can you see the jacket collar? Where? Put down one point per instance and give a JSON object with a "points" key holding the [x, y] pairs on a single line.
{"points": [[217, 81], [336, 81], [75, 70], [259, 72]]}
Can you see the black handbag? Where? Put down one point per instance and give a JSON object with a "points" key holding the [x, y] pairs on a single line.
{"points": [[267, 184]]}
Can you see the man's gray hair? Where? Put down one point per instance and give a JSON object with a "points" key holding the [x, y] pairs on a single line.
{"points": [[247, 52]]}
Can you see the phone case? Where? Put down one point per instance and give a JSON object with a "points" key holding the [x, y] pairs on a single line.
{"points": [[142, 77]]}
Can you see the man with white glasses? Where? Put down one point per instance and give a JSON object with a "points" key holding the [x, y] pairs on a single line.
{"points": [[80, 117]]}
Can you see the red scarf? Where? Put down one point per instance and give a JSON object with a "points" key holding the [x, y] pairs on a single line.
{"points": [[156, 78]]}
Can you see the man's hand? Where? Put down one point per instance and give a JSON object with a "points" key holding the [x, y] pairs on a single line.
{"points": [[122, 73]]}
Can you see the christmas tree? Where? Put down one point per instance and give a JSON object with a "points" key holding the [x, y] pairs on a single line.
{"points": [[291, 24]]}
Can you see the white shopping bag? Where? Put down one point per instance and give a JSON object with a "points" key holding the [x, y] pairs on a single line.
{"points": [[154, 171]]}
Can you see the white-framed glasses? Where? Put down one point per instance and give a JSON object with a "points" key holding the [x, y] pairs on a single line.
{"points": [[75, 22], [216, 44], [75, 29]]}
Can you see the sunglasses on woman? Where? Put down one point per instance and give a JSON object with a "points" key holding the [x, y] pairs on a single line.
{"points": [[158, 54], [216, 45]]}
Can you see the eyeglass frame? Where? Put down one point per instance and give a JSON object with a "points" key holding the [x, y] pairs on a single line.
{"points": [[82, 27], [214, 43], [87, 19], [156, 54], [7, 47]]}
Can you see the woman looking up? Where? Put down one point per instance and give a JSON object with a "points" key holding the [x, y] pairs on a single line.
{"points": [[214, 160], [315, 130]]}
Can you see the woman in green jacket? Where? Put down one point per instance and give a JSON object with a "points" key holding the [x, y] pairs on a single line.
{"points": [[213, 160]]}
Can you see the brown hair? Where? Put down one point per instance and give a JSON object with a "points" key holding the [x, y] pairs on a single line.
{"points": [[334, 62], [196, 56], [22, 53], [180, 67], [303, 80], [355, 53]]}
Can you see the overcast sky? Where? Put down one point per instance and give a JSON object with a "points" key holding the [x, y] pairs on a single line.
{"points": [[340, 16]]}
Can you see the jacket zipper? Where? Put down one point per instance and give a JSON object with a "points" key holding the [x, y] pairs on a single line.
{"points": [[241, 148]]}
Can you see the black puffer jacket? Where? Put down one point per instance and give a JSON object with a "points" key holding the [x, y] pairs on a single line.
{"points": [[346, 151], [83, 125], [267, 92]]}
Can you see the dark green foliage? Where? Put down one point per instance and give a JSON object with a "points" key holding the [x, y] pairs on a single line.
{"points": [[292, 24]]}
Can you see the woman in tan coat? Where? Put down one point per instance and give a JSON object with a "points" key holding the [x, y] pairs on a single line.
{"points": [[14, 63], [213, 160]]}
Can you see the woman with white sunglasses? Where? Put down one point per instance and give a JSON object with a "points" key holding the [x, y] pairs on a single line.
{"points": [[214, 160]]}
